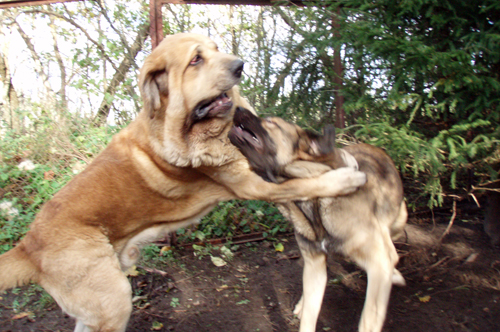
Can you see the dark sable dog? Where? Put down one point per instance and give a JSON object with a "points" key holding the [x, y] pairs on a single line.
{"points": [[360, 226]]}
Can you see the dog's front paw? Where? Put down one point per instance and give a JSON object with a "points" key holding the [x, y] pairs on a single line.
{"points": [[345, 180]]}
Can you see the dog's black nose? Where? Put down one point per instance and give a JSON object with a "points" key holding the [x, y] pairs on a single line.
{"points": [[237, 68]]}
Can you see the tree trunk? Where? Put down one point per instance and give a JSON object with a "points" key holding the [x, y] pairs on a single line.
{"points": [[62, 105], [119, 76], [9, 93], [339, 77]]}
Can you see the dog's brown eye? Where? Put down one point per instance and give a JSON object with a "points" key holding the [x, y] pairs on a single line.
{"points": [[196, 60]]}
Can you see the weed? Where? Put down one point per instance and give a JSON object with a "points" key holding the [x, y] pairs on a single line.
{"points": [[202, 251], [236, 217], [44, 301], [174, 303], [15, 305], [153, 256], [152, 253], [31, 296]]}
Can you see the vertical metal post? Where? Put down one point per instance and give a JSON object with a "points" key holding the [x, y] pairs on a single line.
{"points": [[156, 22]]}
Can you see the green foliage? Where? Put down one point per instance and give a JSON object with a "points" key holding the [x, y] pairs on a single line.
{"points": [[28, 190], [421, 79], [235, 218], [57, 153], [432, 159], [25, 299]]}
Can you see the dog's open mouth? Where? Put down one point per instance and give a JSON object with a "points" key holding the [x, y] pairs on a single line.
{"points": [[217, 107], [254, 142], [244, 130], [243, 134]]}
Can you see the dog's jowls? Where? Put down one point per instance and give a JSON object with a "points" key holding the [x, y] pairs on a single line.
{"points": [[167, 169], [359, 225]]}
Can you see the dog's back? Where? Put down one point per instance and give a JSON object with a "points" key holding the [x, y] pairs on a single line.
{"points": [[380, 199], [342, 223]]}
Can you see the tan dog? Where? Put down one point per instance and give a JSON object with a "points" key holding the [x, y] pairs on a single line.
{"points": [[359, 225], [167, 169]]}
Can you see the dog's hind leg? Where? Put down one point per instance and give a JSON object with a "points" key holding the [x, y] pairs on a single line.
{"points": [[314, 284], [377, 298], [103, 304], [380, 257], [89, 285]]}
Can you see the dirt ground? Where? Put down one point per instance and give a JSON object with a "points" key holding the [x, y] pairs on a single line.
{"points": [[454, 286]]}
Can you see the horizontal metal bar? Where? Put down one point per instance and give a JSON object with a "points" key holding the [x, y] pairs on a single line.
{"points": [[236, 2], [21, 3]]}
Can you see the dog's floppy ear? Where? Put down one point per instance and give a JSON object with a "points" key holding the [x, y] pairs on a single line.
{"points": [[318, 145], [153, 83]]}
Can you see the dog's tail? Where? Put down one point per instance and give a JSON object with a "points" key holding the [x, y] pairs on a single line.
{"points": [[16, 269]]}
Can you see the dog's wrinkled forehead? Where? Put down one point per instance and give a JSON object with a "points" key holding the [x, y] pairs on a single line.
{"points": [[178, 50]]}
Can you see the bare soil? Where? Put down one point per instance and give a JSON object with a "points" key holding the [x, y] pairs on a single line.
{"points": [[451, 286]]}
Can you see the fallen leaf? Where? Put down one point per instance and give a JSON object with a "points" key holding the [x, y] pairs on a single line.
{"points": [[227, 252], [132, 271], [279, 247], [222, 287], [424, 299], [218, 261], [22, 315], [165, 249], [157, 326], [472, 258]]}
